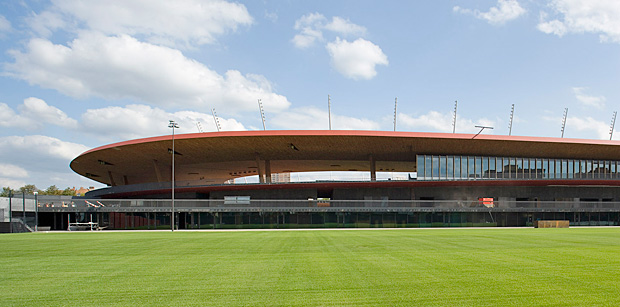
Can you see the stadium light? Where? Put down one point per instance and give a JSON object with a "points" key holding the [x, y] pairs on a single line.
{"points": [[172, 125], [36, 211]]}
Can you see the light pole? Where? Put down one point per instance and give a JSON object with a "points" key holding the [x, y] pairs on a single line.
{"points": [[10, 211], [36, 212], [172, 125]]}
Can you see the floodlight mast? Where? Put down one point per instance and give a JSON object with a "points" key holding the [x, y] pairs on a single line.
{"points": [[512, 113], [456, 103], [395, 104], [564, 121], [216, 120], [613, 124], [172, 125], [329, 111], [262, 113]]}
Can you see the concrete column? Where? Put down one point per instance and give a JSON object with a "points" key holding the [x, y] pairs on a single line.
{"points": [[112, 183], [268, 171], [157, 172], [261, 179], [373, 168]]}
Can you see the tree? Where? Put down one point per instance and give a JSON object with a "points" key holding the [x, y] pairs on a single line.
{"points": [[52, 190], [28, 189], [68, 191], [6, 191]]}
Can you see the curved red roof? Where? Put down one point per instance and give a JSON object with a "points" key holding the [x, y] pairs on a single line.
{"points": [[217, 156]]}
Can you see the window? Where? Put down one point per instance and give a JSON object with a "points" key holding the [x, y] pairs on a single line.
{"points": [[450, 167], [435, 166]]}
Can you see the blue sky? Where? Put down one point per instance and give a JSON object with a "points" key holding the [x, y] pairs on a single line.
{"points": [[80, 74]]}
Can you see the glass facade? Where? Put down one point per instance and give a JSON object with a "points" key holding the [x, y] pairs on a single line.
{"points": [[437, 167], [256, 220]]}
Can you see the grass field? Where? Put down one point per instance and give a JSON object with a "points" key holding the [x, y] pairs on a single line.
{"points": [[475, 267]]}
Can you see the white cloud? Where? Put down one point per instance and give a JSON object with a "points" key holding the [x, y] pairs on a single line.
{"points": [[38, 152], [38, 146], [442, 122], [171, 23], [311, 118], [5, 25], [115, 67], [42, 161], [11, 183], [583, 127], [589, 124], [14, 171], [357, 59], [138, 121], [588, 100], [344, 27], [311, 27], [40, 112], [33, 114], [506, 10], [583, 16]]}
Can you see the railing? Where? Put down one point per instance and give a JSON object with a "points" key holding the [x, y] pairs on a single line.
{"points": [[500, 176], [110, 205]]}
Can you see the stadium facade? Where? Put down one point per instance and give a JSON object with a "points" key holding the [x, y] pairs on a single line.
{"points": [[443, 180]]}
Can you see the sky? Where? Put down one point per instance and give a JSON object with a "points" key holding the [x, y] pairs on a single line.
{"points": [[79, 74]]}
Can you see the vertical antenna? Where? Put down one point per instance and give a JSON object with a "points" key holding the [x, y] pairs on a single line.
{"points": [[456, 103], [216, 120], [512, 113], [199, 127], [395, 103], [564, 121], [329, 111], [262, 113], [613, 124]]}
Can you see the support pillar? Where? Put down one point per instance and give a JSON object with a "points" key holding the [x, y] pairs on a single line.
{"points": [[261, 179], [112, 183], [157, 172], [268, 171], [373, 168]]}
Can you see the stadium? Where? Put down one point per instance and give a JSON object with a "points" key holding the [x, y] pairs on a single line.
{"points": [[245, 179]]}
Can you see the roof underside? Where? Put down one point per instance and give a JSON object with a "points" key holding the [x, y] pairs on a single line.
{"points": [[218, 156]]}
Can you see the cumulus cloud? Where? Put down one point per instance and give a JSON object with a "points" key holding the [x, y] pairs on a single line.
{"points": [[506, 10], [589, 100], [138, 121], [171, 23], [38, 152], [9, 170], [11, 183], [115, 67], [33, 114], [442, 122], [312, 26], [42, 161], [600, 17], [311, 118], [356, 60], [589, 125]]}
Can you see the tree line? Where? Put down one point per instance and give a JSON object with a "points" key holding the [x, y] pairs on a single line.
{"points": [[29, 189]]}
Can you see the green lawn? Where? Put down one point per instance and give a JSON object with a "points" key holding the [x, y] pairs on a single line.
{"points": [[471, 267]]}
